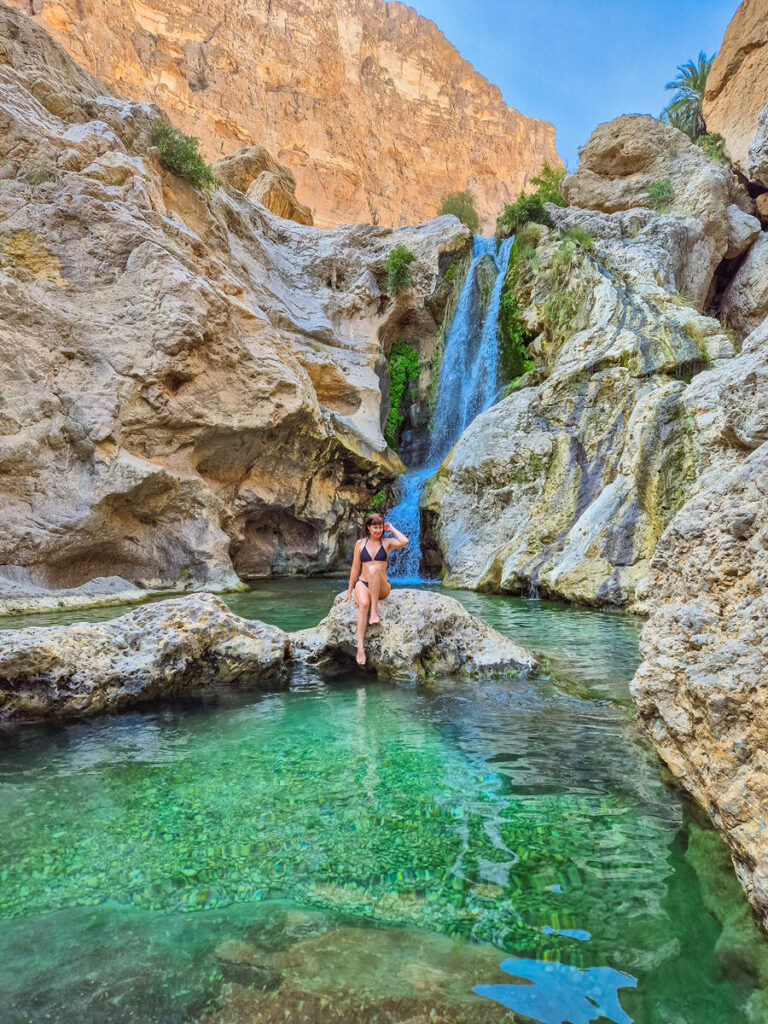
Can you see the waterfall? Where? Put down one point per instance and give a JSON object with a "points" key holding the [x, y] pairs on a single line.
{"points": [[467, 386]]}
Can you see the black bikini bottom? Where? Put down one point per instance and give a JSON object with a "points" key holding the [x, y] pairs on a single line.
{"points": [[361, 580]]}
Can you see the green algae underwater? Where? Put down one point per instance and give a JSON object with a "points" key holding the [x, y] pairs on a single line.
{"points": [[352, 851]]}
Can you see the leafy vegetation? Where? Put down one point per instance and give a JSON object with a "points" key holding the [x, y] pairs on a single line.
{"points": [[661, 194], [180, 154], [403, 364], [684, 111], [378, 501], [513, 340], [398, 270], [712, 146], [580, 237], [548, 184], [524, 210], [461, 205]]}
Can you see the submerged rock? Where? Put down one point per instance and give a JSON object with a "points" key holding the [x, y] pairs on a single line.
{"points": [[160, 650], [178, 646], [420, 634], [702, 689]]}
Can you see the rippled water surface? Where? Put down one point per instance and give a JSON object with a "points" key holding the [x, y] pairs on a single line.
{"points": [[352, 851]]}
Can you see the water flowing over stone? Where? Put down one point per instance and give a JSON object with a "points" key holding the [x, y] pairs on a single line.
{"points": [[467, 387]]}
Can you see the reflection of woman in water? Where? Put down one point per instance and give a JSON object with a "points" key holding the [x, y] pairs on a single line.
{"points": [[368, 579]]}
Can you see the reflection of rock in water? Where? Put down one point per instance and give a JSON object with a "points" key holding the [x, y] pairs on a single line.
{"points": [[560, 992]]}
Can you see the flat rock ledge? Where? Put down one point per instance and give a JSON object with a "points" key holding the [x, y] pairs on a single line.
{"points": [[191, 643]]}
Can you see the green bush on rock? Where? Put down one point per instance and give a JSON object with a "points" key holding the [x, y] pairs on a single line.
{"points": [[661, 194], [461, 205], [548, 184], [524, 210], [398, 270], [513, 340], [180, 154], [712, 146], [403, 364]]}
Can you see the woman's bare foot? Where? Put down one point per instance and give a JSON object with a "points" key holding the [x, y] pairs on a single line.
{"points": [[360, 659], [373, 618]]}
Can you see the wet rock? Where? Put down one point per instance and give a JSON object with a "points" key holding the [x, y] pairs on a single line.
{"points": [[702, 689], [566, 485], [21, 595], [420, 634], [160, 650]]}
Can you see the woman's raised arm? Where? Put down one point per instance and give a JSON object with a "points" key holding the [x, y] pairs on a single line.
{"points": [[400, 541]]}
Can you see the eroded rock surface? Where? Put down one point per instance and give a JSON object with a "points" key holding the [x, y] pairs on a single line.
{"points": [[190, 386], [636, 161], [702, 689], [368, 104], [420, 634], [566, 485], [178, 646], [159, 650]]}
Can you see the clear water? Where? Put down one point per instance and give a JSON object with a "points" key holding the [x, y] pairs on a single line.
{"points": [[468, 385], [352, 851]]}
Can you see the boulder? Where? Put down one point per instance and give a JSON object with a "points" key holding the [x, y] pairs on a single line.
{"points": [[189, 643], [19, 595], [626, 159], [744, 304], [743, 229], [702, 689], [255, 172], [420, 634], [737, 84], [159, 650]]}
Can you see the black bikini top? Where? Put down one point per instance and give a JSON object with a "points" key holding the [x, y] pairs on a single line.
{"points": [[380, 556]]}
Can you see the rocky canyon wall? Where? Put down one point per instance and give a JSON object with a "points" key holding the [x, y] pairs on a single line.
{"points": [[190, 386], [368, 104]]}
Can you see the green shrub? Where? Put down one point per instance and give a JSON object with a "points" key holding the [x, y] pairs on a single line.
{"points": [[548, 184], [524, 210], [397, 268], [513, 340], [378, 501], [180, 154], [403, 364], [580, 237], [461, 205], [661, 195], [712, 146]]}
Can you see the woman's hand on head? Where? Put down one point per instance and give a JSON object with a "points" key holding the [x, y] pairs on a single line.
{"points": [[389, 527]]}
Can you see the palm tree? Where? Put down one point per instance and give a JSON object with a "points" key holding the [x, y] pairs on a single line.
{"points": [[684, 111]]}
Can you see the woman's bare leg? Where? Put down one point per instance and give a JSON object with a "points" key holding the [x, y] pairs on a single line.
{"points": [[379, 589], [363, 601]]}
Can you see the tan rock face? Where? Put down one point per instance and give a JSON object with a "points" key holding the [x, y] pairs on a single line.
{"points": [[623, 162], [371, 108], [190, 387], [702, 690], [737, 87]]}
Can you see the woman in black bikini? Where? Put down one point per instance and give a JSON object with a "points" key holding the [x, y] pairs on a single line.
{"points": [[368, 579]]}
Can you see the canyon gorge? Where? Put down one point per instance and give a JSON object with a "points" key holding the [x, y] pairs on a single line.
{"points": [[200, 390]]}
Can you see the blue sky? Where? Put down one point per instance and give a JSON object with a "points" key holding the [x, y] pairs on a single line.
{"points": [[579, 62]]}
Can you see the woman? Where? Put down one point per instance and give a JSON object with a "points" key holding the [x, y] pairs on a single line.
{"points": [[368, 579]]}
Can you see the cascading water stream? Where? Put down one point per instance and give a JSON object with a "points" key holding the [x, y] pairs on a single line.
{"points": [[468, 385]]}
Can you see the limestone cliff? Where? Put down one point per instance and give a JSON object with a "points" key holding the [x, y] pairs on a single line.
{"points": [[367, 103], [567, 484], [190, 386], [737, 86]]}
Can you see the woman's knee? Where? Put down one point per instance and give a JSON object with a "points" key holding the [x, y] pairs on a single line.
{"points": [[362, 597]]}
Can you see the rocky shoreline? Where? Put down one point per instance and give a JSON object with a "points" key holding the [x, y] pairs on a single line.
{"points": [[190, 643]]}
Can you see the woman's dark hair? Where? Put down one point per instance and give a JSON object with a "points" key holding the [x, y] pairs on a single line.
{"points": [[375, 517]]}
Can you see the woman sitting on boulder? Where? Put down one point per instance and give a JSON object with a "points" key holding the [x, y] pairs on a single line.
{"points": [[368, 579]]}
